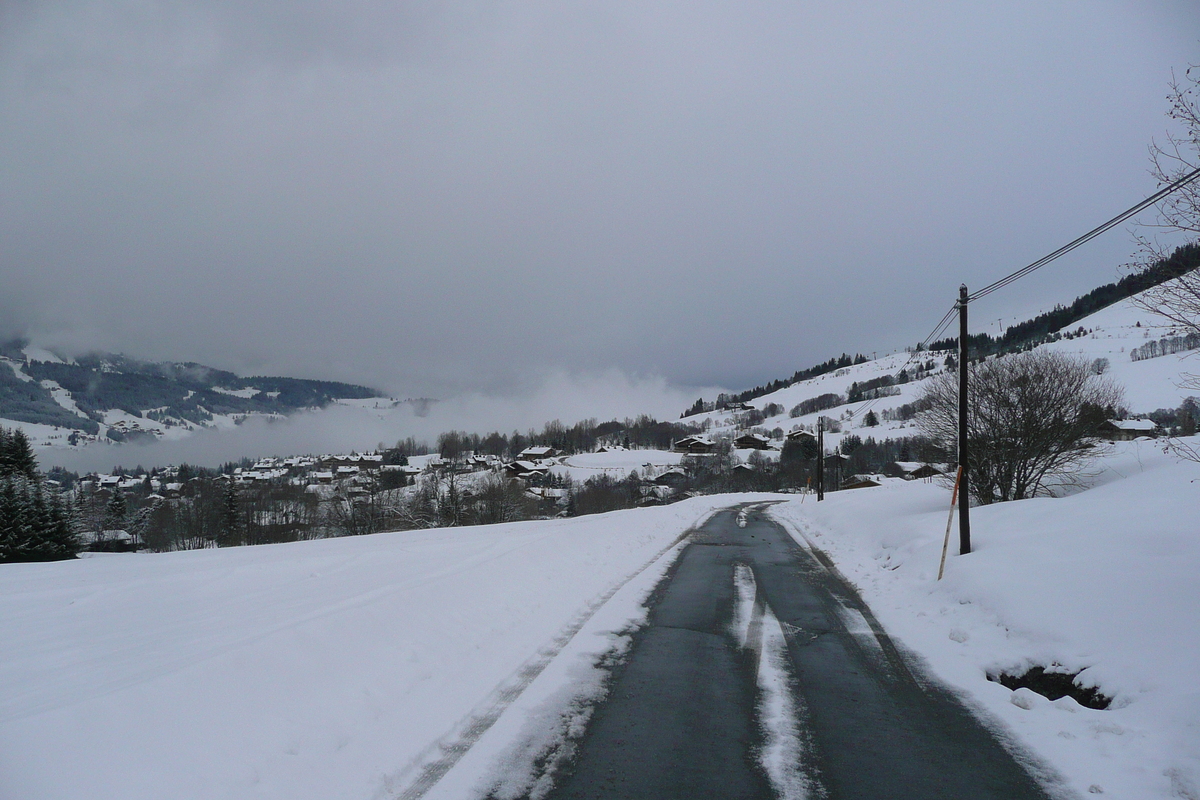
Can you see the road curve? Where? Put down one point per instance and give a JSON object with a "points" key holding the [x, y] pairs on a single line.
{"points": [[683, 717]]}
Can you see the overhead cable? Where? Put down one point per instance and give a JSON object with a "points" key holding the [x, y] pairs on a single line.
{"points": [[1087, 237]]}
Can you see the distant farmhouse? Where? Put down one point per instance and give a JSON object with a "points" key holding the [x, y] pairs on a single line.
{"points": [[752, 441], [1125, 430], [696, 445]]}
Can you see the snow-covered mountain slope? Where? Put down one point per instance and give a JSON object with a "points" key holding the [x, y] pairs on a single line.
{"points": [[1112, 333], [111, 398]]}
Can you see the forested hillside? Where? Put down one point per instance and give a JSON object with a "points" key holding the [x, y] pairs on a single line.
{"points": [[77, 394], [1017, 337]]}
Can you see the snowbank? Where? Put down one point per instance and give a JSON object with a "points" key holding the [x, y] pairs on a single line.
{"points": [[332, 668], [1104, 581]]}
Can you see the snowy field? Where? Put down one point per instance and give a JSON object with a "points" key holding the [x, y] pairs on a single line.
{"points": [[1104, 581], [333, 668], [365, 667], [1149, 384]]}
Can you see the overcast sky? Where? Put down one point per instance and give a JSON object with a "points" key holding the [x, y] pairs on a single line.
{"points": [[438, 198]]}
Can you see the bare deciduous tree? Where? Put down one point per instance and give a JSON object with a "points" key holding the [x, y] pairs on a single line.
{"points": [[1178, 155], [1031, 423], [1176, 300]]}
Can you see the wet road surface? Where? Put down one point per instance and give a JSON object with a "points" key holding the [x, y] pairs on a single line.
{"points": [[680, 719]]}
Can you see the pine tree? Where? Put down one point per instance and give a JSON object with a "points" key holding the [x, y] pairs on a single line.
{"points": [[115, 512], [16, 454], [13, 514], [231, 517], [61, 538], [21, 455], [33, 524]]}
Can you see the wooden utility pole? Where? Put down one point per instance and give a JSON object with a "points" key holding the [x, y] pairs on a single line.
{"points": [[964, 507], [820, 458]]}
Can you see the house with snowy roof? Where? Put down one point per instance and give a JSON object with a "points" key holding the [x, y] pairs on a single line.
{"points": [[752, 441], [537, 453], [694, 445], [1125, 430]]}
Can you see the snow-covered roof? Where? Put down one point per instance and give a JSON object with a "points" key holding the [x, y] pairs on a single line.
{"points": [[526, 466], [1133, 424]]}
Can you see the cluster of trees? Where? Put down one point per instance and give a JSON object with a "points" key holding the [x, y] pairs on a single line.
{"points": [[1179, 421], [842, 361], [214, 511], [1032, 422], [819, 403], [1163, 268], [643, 431], [882, 386], [35, 525], [29, 401], [905, 411], [1166, 346]]}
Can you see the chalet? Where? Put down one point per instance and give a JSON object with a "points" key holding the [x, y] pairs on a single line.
{"points": [[369, 461], [653, 494], [111, 541], [524, 469], [550, 493], [1125, 430], [694, 445], [752, 441], [672, 477], [537, 453], [738, 406], [860, 482], [801, 436], [912, 470]]}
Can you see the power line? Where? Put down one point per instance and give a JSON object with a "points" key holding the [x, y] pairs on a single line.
{"points": [[938, 330], [1087, 237], [1036, 265]]}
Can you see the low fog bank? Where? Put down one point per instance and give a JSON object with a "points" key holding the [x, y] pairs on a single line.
{"points": [[340, 428]]}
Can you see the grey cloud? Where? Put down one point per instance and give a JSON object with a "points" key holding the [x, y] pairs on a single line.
{"points": [[569, 397], [440, 198]]}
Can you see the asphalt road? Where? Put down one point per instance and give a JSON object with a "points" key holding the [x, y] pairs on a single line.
{"points": [[680, 719]]}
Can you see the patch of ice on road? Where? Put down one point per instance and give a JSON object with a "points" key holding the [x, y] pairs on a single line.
{"points": [[856, 625], [780, 711], [745, 590]]}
